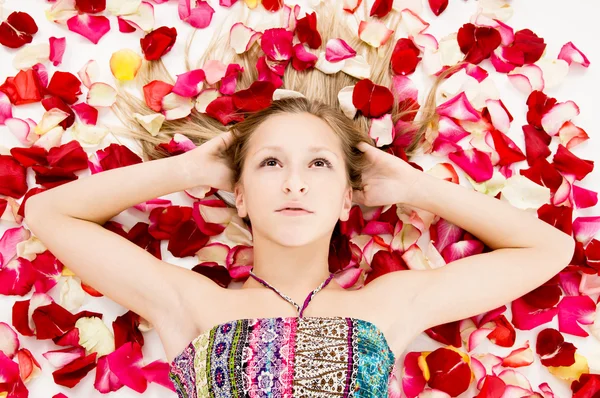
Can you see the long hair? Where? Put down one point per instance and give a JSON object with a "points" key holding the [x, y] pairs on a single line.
{"points": [[320, 92]]}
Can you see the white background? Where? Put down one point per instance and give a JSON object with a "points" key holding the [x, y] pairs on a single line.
{"points": [[556, 21]]}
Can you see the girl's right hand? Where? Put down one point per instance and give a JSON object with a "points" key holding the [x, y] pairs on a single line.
{"points": [[208, 164]]}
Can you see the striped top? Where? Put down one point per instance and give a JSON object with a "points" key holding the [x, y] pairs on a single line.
{"points": [[286, 357]]}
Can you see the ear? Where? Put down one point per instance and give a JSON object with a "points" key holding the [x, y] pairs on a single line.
{"points": [[346, 204], [238, 191]]}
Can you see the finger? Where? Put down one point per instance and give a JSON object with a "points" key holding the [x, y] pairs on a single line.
{"points": [[357, 196], [227, 138], [363, 146]]}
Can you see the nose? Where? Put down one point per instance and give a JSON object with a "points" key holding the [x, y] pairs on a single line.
{"points": [[294, 183]]}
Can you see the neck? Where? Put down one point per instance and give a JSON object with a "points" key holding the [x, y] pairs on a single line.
{"points": [[292, 270]]}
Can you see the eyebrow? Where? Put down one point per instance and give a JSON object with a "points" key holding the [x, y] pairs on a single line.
{"points": [[310, 148]]}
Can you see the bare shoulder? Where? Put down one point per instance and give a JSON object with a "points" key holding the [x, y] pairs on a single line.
{"points": [[197, 298], [391, 298]]}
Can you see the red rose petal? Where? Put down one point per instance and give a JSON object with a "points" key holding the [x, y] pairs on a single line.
{"points": [[124, 26], [405, 57], [306, 30], [187, 240], [65, 85], [565, 161], [256, 97], [272, 5], [223, 110], [90, 6], [526, 48], [371, 99], [17, 30], [303, 59], [71, 375], [24, 88], [55, 102], [553, 350], [88, 114], [477, 42], [277, 44], [13, 181], [438, 6], [381, 8], [154, 92], [158, 42], [92, 27]]}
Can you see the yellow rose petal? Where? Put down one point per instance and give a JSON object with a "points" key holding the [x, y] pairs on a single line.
{"points": [[124, 64]]}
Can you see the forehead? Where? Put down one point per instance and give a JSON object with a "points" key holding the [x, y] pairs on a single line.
{"points": [[298, 131]]}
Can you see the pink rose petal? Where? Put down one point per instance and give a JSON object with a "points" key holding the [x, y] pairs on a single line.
{"points": [[338, 50], [199, 17], [585, 228], [57, 49], [190, 83], [92, 27], [475, 163], [575, 310], [5, 108], [459, 108], [570, 53], [88, 114]]}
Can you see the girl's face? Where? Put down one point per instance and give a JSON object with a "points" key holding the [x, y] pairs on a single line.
{"points": [[294, 157]]}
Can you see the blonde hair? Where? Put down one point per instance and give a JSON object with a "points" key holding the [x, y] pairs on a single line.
{"points": [[320, 91]]}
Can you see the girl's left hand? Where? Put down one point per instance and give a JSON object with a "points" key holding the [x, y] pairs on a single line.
{"points": [[387, 179]]}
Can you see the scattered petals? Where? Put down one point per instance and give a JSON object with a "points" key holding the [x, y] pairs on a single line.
{"points": [[158, 42], [92, 27], [124, 64], [101, 94], [57, 49]]}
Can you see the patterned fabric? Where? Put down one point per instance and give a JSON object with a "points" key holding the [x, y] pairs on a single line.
{"points": [[286, 357]]}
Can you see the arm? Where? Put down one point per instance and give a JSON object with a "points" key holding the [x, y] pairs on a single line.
{"points": [[68, 219], [528, 252]]}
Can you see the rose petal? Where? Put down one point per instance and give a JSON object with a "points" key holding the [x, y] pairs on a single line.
{"points": [[199, 16], [277, 44], [57, 49], [142, 18], [412, 23], [302, 59], [123, 7], [357, 67], [87, 114], [189, 84], [89, 135], [382, 130], [306, 30], [92, 27], [338, 50], [371, 99], [89, 73], [17, 30], [158, 42], [405, 57], [345, 100], [125, 64], [152, 123], [328, 67], [175, 106], [524, 194], [570, 53], [554, 71], [5, 108], [374, 33], [475, 163], [205, 97], [459, 108], [214, 70], [241, 37], [154, 92], [90, 6], [101, 94], [31, 55], [558, 115], [61, 11], [65, 86]]}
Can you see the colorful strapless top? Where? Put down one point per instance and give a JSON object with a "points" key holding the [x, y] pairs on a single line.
{"points": [[286, 357]]}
